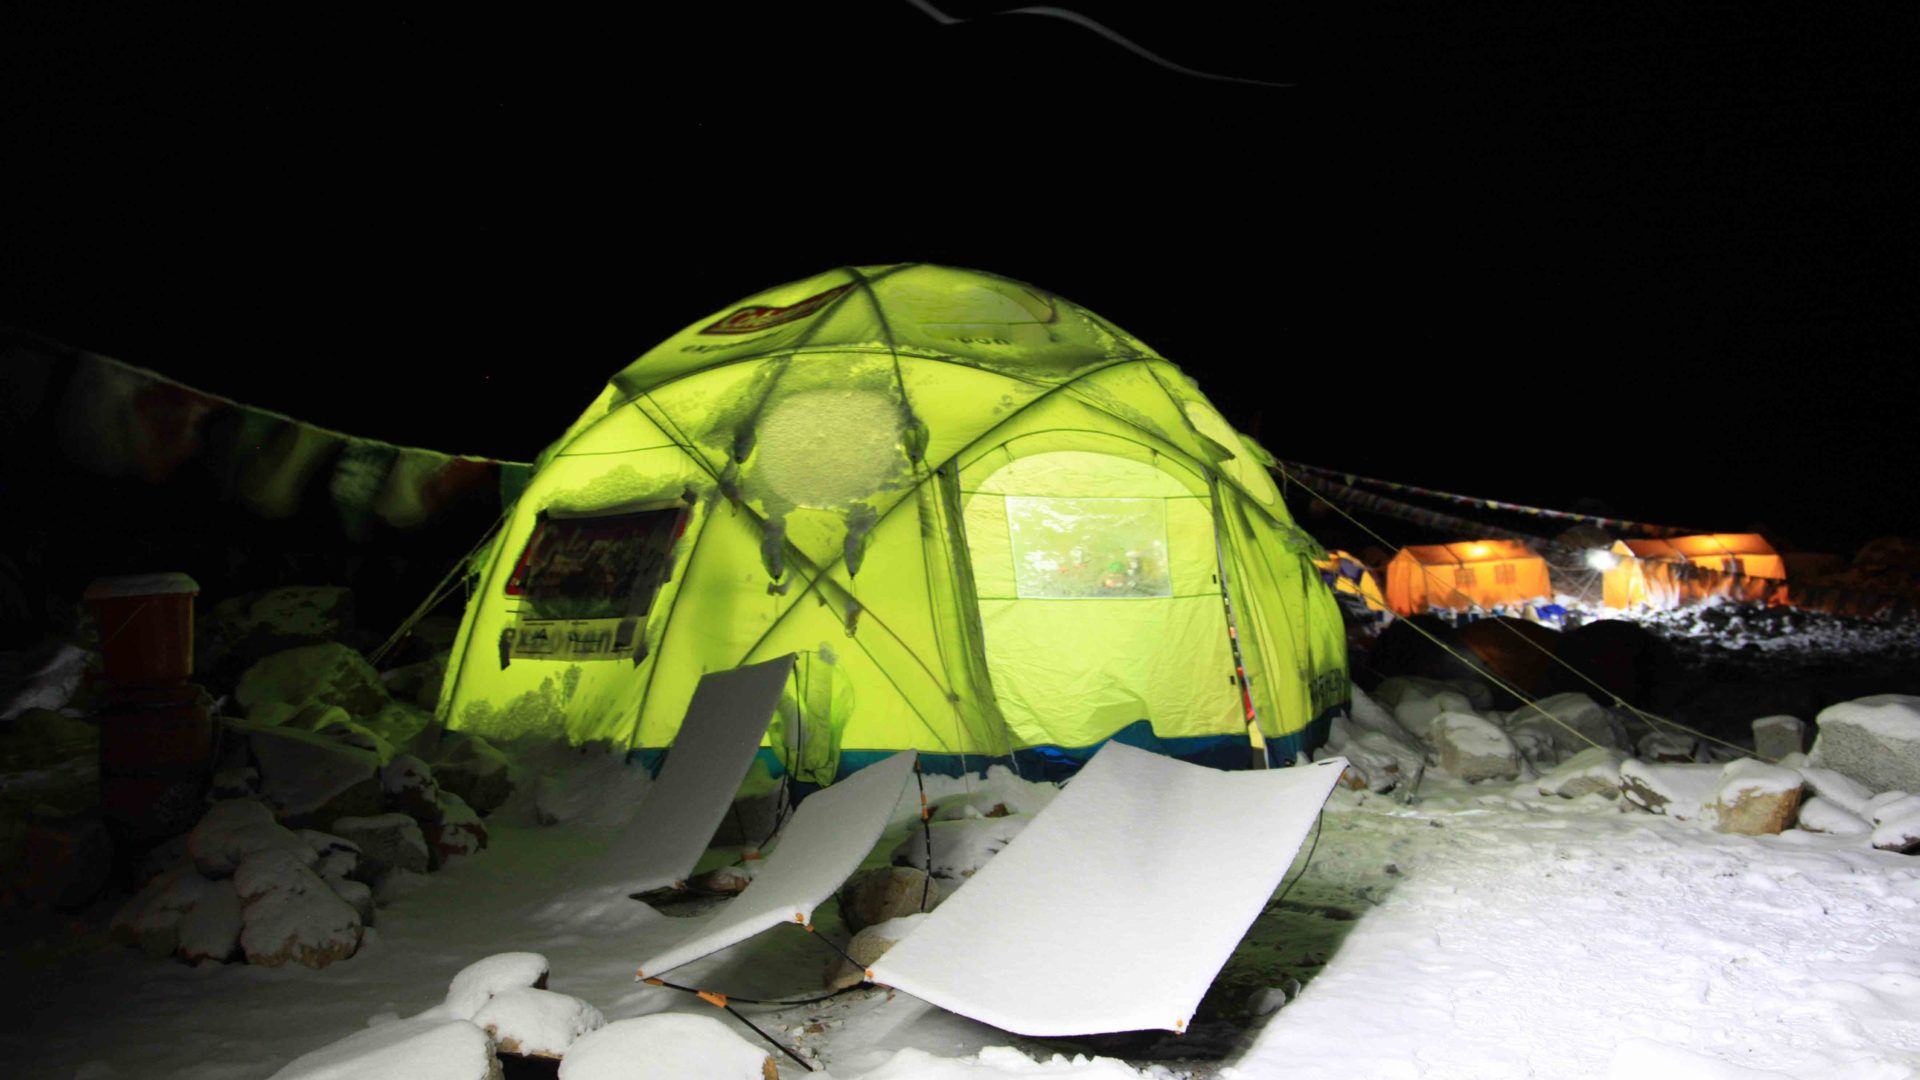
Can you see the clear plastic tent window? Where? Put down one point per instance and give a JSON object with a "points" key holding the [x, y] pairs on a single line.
{"points": [[1088, 549]]}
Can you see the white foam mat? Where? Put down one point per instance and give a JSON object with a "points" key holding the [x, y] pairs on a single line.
{"points": [[1116, 908], [818, 850], [724, 725]]}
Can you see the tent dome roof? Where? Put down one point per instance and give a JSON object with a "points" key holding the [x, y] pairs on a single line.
{"points": [[965, 316]]}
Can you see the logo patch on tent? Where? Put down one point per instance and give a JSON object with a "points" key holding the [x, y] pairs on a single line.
{"points": [[755, 317]]}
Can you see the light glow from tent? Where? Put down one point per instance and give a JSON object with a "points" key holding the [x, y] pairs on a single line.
{"points": [[1601, 559]]}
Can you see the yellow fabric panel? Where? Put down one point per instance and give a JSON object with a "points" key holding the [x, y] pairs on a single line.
{"points": [[1072, 672], [991, 546]]}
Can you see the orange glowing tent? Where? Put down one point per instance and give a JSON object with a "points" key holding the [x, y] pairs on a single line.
{"points": [[1348, 576], [1468, 574], [1742, 565]]}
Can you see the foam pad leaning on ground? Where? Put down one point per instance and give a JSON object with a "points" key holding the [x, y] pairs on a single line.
{"points": [[725, 722], [1117, 906], [819, 849]]}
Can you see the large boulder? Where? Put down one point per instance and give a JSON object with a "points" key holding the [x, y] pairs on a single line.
{"points": [[530, 1022], [210, 930], [866, 948], [1874, 741], [311, 779], [426, 1047], [1756, 799], [960, 847], [473, 769], [1774, 737], [477, 983], [418, 684], [151, 919], [289, 915], [1676, 791], [236, 632], [410, 788], [329, 673], [1823, 816], [1472, 749], [387, 842], [1593, 771], [667, 1046], [1899, 833], [1572, 721], [456, 831], [233, 829], [887, 892]]}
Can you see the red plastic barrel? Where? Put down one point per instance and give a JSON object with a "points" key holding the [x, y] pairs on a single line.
{"points": [[146, 627]]}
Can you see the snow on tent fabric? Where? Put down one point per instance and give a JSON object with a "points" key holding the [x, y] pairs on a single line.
{"points": [[1109, 912], [991, 523], [1475, 573], [1741, 565]]}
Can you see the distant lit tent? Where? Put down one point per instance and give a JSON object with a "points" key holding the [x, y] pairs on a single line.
{"points": [[1742, 565], [1465, 575], [1348, 576], [990, 522]]}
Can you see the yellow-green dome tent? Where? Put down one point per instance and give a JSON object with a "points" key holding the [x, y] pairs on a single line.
{"points": [[990, 522]]}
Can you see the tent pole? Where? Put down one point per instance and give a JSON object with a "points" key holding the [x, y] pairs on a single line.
{"points": [[1256, 744]]}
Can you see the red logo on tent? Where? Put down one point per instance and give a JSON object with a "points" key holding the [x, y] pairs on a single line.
{"points": [[748, 320]]}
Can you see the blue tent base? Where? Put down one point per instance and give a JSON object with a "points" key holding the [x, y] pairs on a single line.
{"points": [[1056, 763]]}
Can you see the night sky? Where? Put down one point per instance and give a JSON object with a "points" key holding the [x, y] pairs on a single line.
{"points": [[1663, 259]]}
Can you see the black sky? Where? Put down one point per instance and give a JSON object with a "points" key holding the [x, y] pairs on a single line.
{"points": [[1663, 258]]}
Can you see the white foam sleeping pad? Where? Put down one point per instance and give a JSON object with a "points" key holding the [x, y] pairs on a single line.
{"points": [[724, 725], [818, 850], [1111, 911]]}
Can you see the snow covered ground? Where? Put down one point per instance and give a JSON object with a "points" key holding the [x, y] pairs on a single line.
{"points": [[1483, 931]]}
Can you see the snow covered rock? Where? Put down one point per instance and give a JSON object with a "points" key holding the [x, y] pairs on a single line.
{"points": [[722, 880], [1756, 799], [1671, 747], [531, 1022], [959, 847], [1417, 702], [1874, 741], [1591, 723], [410, 788], [210, 930], [329, 673], [1365, 714], [457, 831], [387, 842], [974, 804], [997, 1062], [1889, 804], [1389, 760], [289, 915], [868, 946], [1593, 771], [667, 1046], [311, 779], [1822, 816], [401, 725], [1837, 789], [886, 892], [151, 919], [471, 768], [233, 829], [1677, 791], [425, 1047], [1774, 737], [357, 894], [478, 982], [334, 857], [418, 683], [1899, 833], [1472, 749]]}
